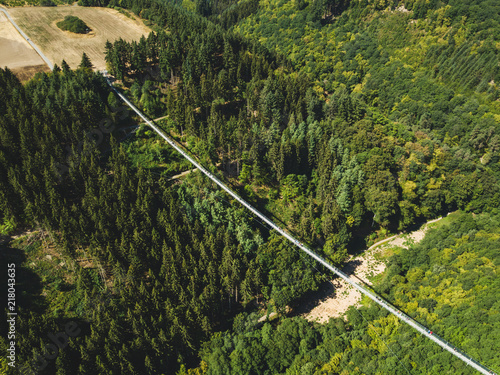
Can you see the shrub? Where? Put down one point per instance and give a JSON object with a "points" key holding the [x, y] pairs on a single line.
{"points": [[73, 24]]}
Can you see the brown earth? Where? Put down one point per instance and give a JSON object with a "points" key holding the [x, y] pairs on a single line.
{"points": [[15, 52], [39, 23], [28, 72], [335, 297]]}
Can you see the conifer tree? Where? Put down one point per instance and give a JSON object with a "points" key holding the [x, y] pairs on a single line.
{"points": [[85, 63]]}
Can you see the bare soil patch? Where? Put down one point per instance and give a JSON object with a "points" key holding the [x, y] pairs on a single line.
{"points": [[332, 301], [28, 72], [15, 52], [39, 23], [337, 296]]}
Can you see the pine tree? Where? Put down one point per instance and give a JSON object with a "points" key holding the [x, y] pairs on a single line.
{"points": [[85, 63], [65, 67]]}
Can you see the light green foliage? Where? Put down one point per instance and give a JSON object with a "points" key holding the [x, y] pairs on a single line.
{"points": [[447, 282], [380, 140], [452, 275], [245, 173], [147, 151], [7, 227], [292, 186], [336, 254]]}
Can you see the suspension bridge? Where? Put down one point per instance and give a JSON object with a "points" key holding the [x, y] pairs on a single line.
{"points": [[362, 288]]}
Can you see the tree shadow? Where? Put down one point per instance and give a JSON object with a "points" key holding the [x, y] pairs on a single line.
{"points": [[351, 266], [28, 285], [309, 301], [326, 290]]}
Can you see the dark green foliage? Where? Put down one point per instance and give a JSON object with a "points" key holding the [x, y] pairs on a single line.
{"points": [[236, 12], [73, 24], [292, 131], [85, 63], [460, 270], [116, 216], [180, 254], [346, 130]]}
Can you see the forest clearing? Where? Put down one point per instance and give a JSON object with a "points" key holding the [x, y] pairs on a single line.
{"points": [[334, 303], [39, 23]]}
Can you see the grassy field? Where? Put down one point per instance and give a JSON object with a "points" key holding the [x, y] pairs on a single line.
{"points": [[16, 53], [39, 23]]}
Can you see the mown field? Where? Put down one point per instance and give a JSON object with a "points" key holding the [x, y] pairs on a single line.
{"points": [[16, 53], [39, 23]]}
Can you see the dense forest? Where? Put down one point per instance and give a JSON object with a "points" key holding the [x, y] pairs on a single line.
{"points": [[190, 258], [342, 121], [448, 282], [318, 162]]}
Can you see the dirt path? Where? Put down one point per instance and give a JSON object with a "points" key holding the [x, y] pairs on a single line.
{"points": [[39, 24], [333, 301], [182, 174], [15, 51]]}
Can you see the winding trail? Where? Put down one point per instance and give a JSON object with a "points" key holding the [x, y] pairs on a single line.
{"points": [[334, 297], [399, 234]]}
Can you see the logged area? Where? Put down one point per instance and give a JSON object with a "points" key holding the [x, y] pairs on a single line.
{"points": [[15, 52], [106, 24]]}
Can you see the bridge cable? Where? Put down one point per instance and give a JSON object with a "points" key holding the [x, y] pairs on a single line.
{"points": [[322, 274], [359, 286]]}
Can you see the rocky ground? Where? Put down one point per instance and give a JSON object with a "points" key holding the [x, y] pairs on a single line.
{"points": [[335, 297]]}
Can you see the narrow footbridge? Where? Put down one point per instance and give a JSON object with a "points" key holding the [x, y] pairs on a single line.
{"points": [[362, 288]]}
